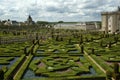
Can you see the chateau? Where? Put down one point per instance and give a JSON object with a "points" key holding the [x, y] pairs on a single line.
{"points": [[111, 21]]}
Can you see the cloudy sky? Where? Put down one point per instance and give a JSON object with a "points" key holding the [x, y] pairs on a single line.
{"points": [[56, 10]]}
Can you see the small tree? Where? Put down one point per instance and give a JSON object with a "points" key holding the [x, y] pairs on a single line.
{"points": [[86, 39], [52, 36], [32, 50], [116, 39], [91, 39], [25, 50], [38, 42], [36, 36], [81, 36], [93, 51], [82, 49], [116, 68], [57, 38], [69, 41], [1, 74], [108, 75], [81, 40], [33, 41], [101, 43], [4, 68], [109, 45], [116, 76], [61, 39]]}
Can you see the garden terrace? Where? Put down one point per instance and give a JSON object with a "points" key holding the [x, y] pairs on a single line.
{"points": [[60, 54], [59, 66], [56, 47], [15, 49]]}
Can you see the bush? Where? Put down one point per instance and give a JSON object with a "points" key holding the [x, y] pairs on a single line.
{"points": [[102, 63], [108, 75], [4, 68], [23, 68], [82, 49], [116, 68], [33, 65], [10, 73], [1, 74]]}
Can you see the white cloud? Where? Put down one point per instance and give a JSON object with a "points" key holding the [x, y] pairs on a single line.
{"points": [[55, 10]]}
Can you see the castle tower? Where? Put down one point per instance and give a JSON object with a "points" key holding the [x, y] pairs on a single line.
{"points": [[111, 21], [118, 8]]}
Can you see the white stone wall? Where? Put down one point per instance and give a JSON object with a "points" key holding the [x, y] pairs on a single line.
{"points": [[79, 26], [90, 27]]}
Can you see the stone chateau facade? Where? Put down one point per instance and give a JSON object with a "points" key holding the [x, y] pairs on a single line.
{"points": [[111, 21]]}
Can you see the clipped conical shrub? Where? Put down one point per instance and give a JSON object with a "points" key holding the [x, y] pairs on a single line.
{"points": [[108, 75], [116, 68], [1, 74], [82, 49]]}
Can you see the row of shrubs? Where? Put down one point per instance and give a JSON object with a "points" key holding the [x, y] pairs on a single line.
{"points": [[33, 65], [23, 68], [13, 69], [102, 63], [99, 72], [95, 77], [75, 69], [6, 60], [73, 78]]}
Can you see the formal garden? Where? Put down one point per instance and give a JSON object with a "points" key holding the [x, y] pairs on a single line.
{"points": [[60, 54]]}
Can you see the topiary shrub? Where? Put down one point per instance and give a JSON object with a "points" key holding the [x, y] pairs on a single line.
{"points": [[57, 38], [116, 68], [25, 51], [116, 39], [1, 74], [116, 74], [33, 41], [82, 49], [81, 40], [86, 39], [36, 36], [61, 39], [32, 50], [38, 42], [108, 75], [101, 43], [4, 68], [109, 45], [69, 41], [92, 39], [93, 51]]}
